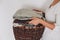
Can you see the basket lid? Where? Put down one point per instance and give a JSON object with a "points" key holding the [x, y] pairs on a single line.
{"points": [[24, 14]]}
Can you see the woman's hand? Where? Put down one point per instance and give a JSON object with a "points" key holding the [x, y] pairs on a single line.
{"points": [[35, 21]]}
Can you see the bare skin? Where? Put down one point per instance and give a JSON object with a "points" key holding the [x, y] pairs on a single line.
{"points": [[49, 25]]}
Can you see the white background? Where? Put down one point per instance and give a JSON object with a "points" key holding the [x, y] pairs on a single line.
{"points": [[8, 8]]}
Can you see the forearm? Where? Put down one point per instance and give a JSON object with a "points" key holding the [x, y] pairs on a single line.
{"points": [[49, 25]]}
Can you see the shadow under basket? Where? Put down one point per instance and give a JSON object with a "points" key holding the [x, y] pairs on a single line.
{"points": [[22, 33]]}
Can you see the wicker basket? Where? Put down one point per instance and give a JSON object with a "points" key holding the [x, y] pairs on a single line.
{"points": [[25, 31], [29, 32]]}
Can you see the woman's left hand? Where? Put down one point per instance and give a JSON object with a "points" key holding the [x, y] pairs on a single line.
{"points": [[36, 21]]}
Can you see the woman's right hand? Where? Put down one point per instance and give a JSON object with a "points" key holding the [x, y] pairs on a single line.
{"points": [[35, 21], [38, 10]]}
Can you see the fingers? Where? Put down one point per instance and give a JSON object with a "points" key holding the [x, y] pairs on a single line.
{"points": [[34, 22], [37, 10]]}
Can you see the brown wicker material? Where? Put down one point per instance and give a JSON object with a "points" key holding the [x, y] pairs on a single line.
{"points": [[26, 33]]}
